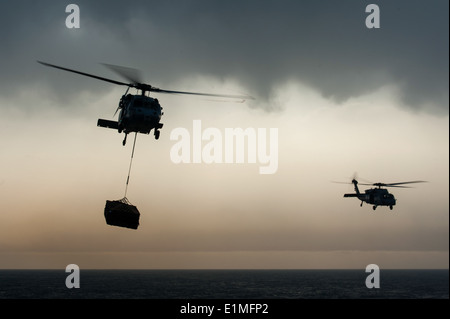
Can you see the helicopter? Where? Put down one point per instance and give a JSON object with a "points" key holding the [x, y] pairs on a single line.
{"points": [[139, 113], [378, 196]]}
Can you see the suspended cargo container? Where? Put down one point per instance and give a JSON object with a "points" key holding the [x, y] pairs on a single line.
{"points": [[122, 213]]}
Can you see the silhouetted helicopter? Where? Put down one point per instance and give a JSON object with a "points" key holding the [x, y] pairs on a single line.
{"points": [[139, 113], [378, 196]]}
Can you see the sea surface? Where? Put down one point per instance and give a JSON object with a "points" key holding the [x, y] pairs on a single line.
{"points": [[224, 284]]}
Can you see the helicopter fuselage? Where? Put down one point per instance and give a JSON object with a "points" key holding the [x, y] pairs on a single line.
{"points": [[374, 196], [378, 197], [138, 113]]}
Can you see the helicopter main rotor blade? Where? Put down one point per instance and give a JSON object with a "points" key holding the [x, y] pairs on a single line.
{"points": [[398, 186], [401, 183], [153, 89], [85, 74], [132, 75]]}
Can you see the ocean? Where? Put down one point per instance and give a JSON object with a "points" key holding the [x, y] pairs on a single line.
{"points": [[224, 284]]}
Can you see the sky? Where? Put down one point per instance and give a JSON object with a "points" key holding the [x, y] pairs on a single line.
{"points": [[343, 99]]}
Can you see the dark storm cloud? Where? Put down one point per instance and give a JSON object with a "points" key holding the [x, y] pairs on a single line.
{"points": [[324, 44]]}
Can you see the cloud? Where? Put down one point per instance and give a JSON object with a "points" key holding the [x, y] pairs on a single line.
{"points": [[257, 43]]}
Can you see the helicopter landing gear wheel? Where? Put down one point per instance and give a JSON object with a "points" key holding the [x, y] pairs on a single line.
{"points": [[374, 207], [157, 133], [391, 207]]}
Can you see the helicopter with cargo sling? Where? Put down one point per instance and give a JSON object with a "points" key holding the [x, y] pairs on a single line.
{"points": [[139, 113]]}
